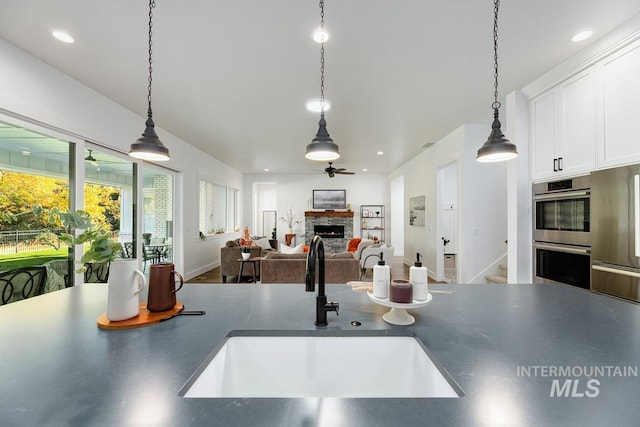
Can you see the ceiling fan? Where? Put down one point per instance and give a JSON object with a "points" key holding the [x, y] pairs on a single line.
{"points": [[331, 171], [92, 160]]}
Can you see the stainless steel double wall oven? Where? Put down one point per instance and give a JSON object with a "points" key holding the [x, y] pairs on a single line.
{"points": [[562, 232]]}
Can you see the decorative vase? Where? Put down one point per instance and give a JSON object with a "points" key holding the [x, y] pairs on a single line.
{"points": [[246, 255], [124, 284]]}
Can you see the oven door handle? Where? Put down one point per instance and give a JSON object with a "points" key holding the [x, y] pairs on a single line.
{"points": [[562, 248], [615, 271], [560, 196]]}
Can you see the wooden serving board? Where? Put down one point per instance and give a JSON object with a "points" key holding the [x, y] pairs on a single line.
{"points": [[144, 318]]}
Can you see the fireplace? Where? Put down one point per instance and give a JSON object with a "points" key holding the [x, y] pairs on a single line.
{"points": [[329, 231], [335, 228]]}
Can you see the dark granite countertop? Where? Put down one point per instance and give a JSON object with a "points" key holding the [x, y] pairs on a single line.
{"points": [[500, 343]]}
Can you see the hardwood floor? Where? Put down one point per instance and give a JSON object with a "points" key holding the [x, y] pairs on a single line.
{"points": [[398, 271]]}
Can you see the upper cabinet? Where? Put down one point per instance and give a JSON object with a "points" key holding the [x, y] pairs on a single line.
{"points": [[590, 120], [620, 98], [563, 128]]}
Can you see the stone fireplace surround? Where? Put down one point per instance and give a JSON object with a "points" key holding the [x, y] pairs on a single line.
{"points": [[331, 245]]}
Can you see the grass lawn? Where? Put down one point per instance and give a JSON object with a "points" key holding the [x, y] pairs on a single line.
{"points": [[28, 259]]}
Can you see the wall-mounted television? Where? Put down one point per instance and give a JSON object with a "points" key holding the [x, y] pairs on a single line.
{"points": [[329, 199]]}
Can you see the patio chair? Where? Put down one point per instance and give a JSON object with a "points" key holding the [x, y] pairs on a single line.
{"points": [[22, 283], [96, 273]]}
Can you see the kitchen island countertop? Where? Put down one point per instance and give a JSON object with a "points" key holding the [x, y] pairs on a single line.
{"points": [[504, 345]]}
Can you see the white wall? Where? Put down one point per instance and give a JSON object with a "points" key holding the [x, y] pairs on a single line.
{"points": [[33, 89], [295, 192], [396, 215], [482, 226]]}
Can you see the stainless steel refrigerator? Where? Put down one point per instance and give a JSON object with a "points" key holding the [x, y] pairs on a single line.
{"points": [[615, 232]]}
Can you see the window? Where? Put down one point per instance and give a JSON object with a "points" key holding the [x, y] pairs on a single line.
{"points": [[38, 169], [218, 208], [34, 170]]}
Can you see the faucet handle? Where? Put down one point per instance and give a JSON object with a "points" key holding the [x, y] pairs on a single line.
{"points": [[333, 306]]}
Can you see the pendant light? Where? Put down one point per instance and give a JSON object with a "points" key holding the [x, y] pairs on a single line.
{"points": [[322, 147], [149, 146], [497, 148]]}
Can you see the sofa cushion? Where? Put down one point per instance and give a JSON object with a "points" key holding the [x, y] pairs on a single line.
{"points": [[340, 255], [280, 255]]}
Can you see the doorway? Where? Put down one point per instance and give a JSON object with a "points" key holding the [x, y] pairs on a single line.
{"points": [[447, 221]]}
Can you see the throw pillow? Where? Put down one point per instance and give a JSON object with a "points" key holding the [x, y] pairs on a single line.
{"points": [[353, 244], [263, 243], [289, 250]]}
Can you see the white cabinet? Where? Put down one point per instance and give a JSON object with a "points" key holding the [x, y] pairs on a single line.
{"points": [[563, 128], [620, 121], [543, 135]]}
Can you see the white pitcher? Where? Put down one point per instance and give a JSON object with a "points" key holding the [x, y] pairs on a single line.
{"points": [[125, 283]]}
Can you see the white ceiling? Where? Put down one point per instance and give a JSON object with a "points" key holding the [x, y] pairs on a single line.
{"points": [[232, 76]]}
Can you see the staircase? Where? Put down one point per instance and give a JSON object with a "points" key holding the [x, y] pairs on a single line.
{"points": [[500, 278]]}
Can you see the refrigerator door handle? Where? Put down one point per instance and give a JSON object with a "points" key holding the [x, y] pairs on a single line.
{"points": [[636, 208], [615, 271]]}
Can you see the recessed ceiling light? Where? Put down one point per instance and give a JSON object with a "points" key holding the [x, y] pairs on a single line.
{"points": [[266, 169], [315, 105], [364, 169], [320, 36], [62, 36], [582, 35], [380, 153]]}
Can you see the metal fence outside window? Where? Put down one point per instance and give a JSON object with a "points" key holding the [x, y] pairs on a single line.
{"points": [[20, 241]]}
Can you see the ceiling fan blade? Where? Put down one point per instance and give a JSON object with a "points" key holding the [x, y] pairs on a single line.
{"points": [[345, 172], [339, 169]]}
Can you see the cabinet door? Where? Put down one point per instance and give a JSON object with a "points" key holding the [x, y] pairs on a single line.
{"points": [[576, 147], [543, 134], [621, 107]]}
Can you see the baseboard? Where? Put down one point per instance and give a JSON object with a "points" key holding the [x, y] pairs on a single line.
{"points": [[194, 273]]}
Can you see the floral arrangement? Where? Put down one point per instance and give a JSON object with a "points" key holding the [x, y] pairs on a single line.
{"points": [[245, 240], [290, 219]]}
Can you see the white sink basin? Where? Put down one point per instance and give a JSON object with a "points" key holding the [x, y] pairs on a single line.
{"points": [[320, 366]]}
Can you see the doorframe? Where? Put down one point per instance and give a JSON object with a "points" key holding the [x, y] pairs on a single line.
{"points": [[439, 244]]}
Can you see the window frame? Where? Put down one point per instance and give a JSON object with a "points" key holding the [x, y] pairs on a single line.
{"points": [[208, 221]]}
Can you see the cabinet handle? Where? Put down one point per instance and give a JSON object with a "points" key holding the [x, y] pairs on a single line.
{"points": [[555, 165], [559, 163]]}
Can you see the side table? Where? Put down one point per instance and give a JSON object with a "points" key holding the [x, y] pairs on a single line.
{"points": [[253, 261]]}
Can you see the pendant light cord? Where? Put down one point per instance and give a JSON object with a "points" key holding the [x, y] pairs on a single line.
{"points": [[152, 4], [322, 58], [496, 104]]}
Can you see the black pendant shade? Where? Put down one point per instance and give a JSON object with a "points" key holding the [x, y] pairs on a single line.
{"points": [[322, 146], [497, 148], [149, 147]]}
